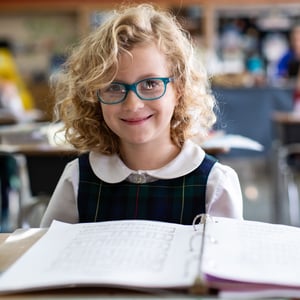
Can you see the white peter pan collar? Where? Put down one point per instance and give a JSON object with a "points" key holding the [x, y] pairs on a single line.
{"points": [[111, 169]]}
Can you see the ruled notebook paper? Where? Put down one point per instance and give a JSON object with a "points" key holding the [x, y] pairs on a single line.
{"points": [[240, 258], [121, 253], [252, 252]]}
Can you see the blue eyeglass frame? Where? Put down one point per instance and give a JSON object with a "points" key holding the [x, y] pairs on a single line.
{"points": [[132, 87]]}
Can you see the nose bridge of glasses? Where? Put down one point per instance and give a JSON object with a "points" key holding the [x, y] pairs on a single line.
{"points": [[132, 87]]}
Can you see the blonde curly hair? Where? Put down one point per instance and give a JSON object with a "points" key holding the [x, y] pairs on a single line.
{"points": [[93, 64]]}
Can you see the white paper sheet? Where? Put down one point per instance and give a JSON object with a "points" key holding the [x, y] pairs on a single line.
{"points": [[124, 253], [254, 252]]}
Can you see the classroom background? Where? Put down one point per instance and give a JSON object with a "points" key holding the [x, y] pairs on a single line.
{"points": [[258, 127]]}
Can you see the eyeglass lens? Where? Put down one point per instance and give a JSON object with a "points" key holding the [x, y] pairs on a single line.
{"points": [[147, 89]]}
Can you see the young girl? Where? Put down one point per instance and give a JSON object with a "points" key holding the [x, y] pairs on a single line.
{"points": [[131, 97]]}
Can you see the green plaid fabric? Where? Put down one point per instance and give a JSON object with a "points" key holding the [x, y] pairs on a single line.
{"points": [[175, 200]]}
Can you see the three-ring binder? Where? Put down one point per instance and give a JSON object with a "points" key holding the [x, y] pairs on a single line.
{"points": [[199, 286]]}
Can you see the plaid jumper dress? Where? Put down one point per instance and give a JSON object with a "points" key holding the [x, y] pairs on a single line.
{"points": [[175, 200]]}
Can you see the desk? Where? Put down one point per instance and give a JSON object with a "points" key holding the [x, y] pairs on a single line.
{"points": [[3, 237], [19, 241], [13, 245], [38, 149], [6, 120], [23, 133], [34, 115]]}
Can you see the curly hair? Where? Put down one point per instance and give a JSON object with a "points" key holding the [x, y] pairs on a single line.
{"points": [[93, 64]]}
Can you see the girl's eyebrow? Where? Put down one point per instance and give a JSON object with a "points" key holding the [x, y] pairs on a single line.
{"points": [[150, 75]]}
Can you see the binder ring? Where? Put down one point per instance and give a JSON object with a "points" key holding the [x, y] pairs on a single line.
{"points": [[202, 220], [197, 217]]}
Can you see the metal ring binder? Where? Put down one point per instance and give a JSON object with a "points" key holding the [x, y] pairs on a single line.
{"points": [[199, 286], [202, 220]]}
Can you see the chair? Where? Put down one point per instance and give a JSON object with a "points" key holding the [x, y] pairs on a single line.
{"points": [[39, 169], [9, 184], [288, 167]]}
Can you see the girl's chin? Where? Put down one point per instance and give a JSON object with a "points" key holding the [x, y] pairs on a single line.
{"points": [[141, 140]]}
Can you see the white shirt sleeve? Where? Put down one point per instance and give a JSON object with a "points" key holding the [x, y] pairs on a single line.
{"points": [[63, 203], [223, 193]]}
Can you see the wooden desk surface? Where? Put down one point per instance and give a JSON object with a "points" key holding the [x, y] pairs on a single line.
{"points": [[3, 237], [33, 115], [15, 244], [7, 120], [38, 149]]}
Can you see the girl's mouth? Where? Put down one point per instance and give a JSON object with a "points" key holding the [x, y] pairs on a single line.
{"points": [[136, 121]]}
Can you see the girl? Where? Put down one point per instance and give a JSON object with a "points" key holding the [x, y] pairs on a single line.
{"points": [[131, 97]]}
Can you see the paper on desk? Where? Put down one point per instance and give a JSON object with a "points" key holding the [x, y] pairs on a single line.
{"points": [[23, 133], [55, 133], [102, 254], [261, 259], [232, 141]]}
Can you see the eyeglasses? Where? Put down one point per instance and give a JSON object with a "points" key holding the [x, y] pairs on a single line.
{"points": [[146, 89]]}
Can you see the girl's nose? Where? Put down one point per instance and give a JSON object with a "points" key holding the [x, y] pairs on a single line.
{"points": [[133, 102]]}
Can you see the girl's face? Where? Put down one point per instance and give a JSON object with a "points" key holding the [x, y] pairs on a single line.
{"points": [[138, 121]]}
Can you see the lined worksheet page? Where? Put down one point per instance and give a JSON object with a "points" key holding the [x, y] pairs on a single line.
{"points": [[254, 252], [123, 253]]}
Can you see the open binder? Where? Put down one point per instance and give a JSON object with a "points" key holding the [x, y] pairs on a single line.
{"points": [[233, 257]]}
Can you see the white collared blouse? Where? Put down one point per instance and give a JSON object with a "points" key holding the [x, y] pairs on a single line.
{"points": [[223, 193]]}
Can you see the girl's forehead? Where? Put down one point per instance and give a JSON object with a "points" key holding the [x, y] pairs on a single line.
{"points": [[143, 57]]}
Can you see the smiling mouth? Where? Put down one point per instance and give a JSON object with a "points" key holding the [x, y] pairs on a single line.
{"points": [[136, 120]]}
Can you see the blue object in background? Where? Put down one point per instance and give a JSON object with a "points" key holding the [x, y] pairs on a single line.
{"points": [[248, 112]]}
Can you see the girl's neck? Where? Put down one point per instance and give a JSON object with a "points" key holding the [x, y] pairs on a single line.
{"points": [[148, 157]]}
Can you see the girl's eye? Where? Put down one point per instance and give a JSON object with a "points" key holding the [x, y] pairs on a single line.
{"points": [[115, 87], [150, 84]]}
